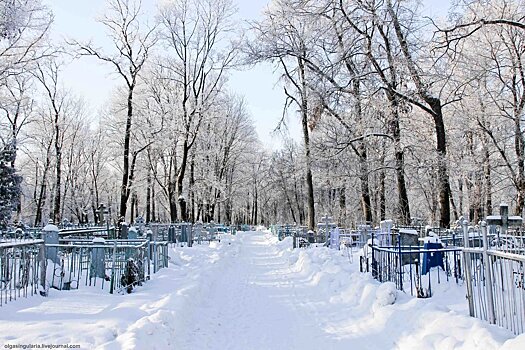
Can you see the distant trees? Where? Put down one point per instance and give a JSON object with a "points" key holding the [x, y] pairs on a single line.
{"points": [[401, 116]]}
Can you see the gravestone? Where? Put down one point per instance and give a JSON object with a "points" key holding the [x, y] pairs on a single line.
{"points": [[50, 235], [140, 224], [172, 237], [386, 232], [124, 231], [98, 266], [132, 233], [407, 238], [326, 225], [198, 232], [334, 238], [186, 234]]}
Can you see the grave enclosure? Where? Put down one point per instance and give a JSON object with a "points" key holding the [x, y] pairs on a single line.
{"points": [[486, 259], [114, 260]]}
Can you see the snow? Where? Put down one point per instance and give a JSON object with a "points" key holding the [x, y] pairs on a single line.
{"points": [[251, 291], [50, 228]]}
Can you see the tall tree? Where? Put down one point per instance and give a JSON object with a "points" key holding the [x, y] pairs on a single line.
{"points": [[197, 34], [287, 41], [133, 45]]}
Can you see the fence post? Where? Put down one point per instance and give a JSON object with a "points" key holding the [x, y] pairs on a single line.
{"points": [[468, 271], [43, 267], [165, 254], [113, 263], [190, 235], [488, 275], [155, 257], [374, 262], [400, 263]]}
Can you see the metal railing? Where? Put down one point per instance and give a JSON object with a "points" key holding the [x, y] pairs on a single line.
{"points": [[495, 282], [412, 268], [20, 264], [104, 264], [29, 267]]}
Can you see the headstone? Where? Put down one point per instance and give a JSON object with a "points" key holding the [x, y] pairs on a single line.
{"points": [[183, 233], [197, 228], [408, 238], [98, 266], [101, 212], [432, 259], [140, 224], [334, 238], [50, 235], [152, 236], [311, 236], [386, 232], [124, 231], [326, 224], [132, 233], [172, 237]]}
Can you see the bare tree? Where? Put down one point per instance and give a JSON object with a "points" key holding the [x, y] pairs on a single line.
{"points": [[287, 41], [24, 25], [133, 46], [196, 32]]}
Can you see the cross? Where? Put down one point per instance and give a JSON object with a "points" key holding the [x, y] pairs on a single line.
{"points": [[326, 220], [504, 220]]}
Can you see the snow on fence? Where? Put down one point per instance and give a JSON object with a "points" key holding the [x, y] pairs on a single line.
{"points": [[495, 277], [20, 263], [112, 265]]}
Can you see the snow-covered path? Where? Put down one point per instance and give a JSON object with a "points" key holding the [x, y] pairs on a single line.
{"points": [[253, 292], [252, 305]]}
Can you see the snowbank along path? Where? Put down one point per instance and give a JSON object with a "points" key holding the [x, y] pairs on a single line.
{"points": [[251, 291]]}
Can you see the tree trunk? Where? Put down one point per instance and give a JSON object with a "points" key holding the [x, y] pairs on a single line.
{"points": [[306, 139], [148, 196], [366, 203], [444, 185], [191, 190], [488, 179], [382, 195], [58, 170], [124, 192], [132, 212], [172, 198], [518, 145], [402, 195], [180, 181], [43, 188], [154, 216], [255, 206]]}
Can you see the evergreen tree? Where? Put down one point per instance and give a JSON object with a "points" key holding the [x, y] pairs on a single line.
{"points": [[9, 183]]}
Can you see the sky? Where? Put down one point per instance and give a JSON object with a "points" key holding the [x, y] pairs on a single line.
{"points": [[259, 85]]}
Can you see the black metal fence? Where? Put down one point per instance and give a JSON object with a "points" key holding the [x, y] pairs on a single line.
{"points": [[413, 269]]}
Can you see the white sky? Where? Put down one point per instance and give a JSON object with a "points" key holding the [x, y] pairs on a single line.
{"points": [[95, 82]]}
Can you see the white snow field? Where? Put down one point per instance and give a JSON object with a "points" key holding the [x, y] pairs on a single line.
{"points": [[251, 291]]}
